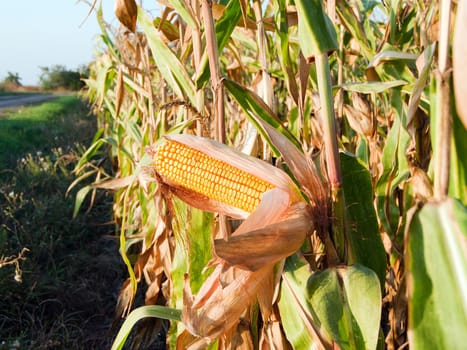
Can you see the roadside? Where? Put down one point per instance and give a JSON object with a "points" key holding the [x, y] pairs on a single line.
{"points": [[43, 127], [62, 295], [9, 101]]}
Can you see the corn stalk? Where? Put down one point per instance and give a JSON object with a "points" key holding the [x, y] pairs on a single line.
{"points": [[261, 77]]}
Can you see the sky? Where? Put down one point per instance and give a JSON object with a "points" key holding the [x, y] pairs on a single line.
{"points": [[38, 33]]}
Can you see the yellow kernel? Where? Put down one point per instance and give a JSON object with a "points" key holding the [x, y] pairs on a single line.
{"points": [[210, 177]]}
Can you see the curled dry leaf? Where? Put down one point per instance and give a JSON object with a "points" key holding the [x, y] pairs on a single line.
{"points": [[358, 121], [421, 183], [127, 13]]}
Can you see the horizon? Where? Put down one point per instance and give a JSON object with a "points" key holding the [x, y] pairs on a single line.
{"points": [[68, 38]]}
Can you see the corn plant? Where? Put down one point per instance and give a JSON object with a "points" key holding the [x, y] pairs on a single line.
{"points": [[287, 174]]}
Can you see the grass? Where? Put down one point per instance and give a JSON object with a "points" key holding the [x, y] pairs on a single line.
{"points": [[41, 128], [63, 294]]}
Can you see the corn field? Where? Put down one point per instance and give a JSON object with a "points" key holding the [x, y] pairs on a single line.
{"points": [[286, 174]]}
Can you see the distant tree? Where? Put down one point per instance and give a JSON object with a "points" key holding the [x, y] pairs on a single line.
{"points": [[13, 78], [59, 77]]}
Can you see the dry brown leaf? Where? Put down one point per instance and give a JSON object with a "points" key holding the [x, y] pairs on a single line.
{"points": [[278, 239], [421, 183], [119, 91], [168, 31], [358, 120], [272, 335], [239, 337], [124, 301], [127, 12], [218, 307], [114, 184]]}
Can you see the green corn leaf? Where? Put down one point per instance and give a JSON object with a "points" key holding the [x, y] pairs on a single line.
{"points": [[352, 24], [199, 241], [347, 302], [179, 268], [79, 179], [362, 151], [437, 266], [328, 306], [105, 35], [458, 175], [90, 153], [395, 169], [80, 196], [371, 86], [316, 33], [167, 63], [178, 128], [140, 313], [287, 52], [254, 107], [390, 64], [365, 245], [193, 234], [298, 319], [421, 82], [389, 55]]}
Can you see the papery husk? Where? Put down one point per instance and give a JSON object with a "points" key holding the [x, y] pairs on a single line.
{"points": [[268, 244], [126, 12], [209, 316], [232, 287], [272, 335]]}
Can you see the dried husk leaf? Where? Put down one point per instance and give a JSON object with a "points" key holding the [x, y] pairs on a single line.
{"points": [[119, 91], [210, 316], [421, 184], [127, 12], [358, 120], [278, 239], [124, 301], [115, 184], [272, 335], [223, 298], [239, 337]]}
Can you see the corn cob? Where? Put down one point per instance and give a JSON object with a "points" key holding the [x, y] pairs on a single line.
{"points": [[212, 178]]}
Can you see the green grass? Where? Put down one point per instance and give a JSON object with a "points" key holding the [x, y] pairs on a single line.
{"points": [[40, 128], [72, 271]]}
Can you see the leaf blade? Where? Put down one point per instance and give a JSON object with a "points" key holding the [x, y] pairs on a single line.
{"points": [[437, 266]]}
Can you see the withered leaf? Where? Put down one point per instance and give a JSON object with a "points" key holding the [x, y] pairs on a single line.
{"points": [[358, 120], [127, 12]]}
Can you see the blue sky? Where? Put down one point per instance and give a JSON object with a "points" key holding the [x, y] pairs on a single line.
{"points": [[36, 33]]}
